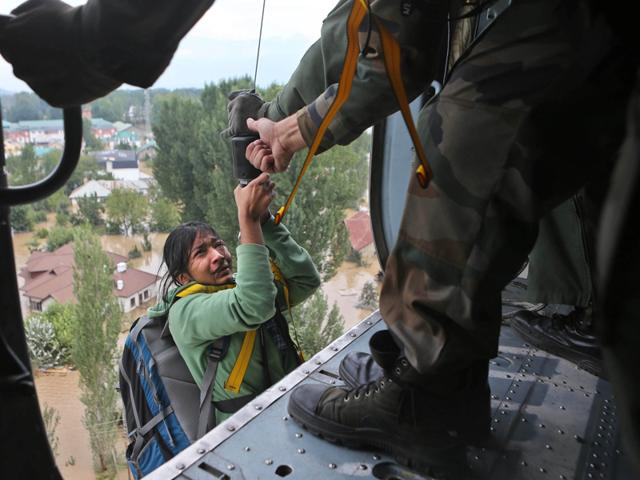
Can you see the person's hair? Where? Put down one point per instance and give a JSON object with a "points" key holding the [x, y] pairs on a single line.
{"points": [[176, 252]]}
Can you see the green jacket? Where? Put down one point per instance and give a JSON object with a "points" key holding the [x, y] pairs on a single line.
{"points": [[197, 320]]}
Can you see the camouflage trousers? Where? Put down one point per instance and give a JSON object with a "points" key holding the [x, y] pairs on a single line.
{"points": [[526, 117]]}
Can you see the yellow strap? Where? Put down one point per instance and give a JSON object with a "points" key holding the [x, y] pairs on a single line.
{"points": [[392, 57], [199, 288], [358, 12], [242, 363], [234, 381]]}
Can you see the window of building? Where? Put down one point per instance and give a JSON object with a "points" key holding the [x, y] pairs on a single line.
{"points": [[133, 301], [146, 294], [36, 306]]}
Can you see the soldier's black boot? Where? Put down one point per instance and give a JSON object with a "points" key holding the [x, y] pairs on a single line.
{"points": [[567, 336], [359, 368], [416, 418]]}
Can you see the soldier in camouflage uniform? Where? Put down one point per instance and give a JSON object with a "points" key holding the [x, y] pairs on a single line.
{"points": [[528, 114]]}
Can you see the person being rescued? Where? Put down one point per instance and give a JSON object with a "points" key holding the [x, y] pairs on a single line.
{"points": [[206, 301]]}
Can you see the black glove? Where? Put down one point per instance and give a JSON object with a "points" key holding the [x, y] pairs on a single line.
{"points": [[44, 44], [243, 104]]}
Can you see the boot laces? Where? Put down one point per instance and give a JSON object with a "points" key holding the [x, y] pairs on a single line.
{"points": [[366, 389]]}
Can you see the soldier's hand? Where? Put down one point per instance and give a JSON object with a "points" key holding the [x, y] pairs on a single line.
{"points": [[270, 153], [243, 104], [43, 44]]}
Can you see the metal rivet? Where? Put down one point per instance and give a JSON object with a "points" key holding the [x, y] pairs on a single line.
{"points": [[268, 461], [541, 425], [298, 435], [562, 477], [376, 457], [523, 420], [496, 420], [495, 397], [542, 470], [507, 398], [301, 450], [318, 362], [561, 432], [362, 466], [332, 466], [200, 451], [231, 428], [247, 449], [547, 446], [180, 466], [577, 438], [332, 382], [368, 322], [492, 429], [476, 457], [523, 463], [285, 418], [231, 466], [306, 372], [562, 407], [282, 388], [258, 407], [508, 376], [352, 335]]}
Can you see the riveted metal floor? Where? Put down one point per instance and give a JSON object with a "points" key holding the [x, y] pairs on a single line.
{"points": [[550, 421]]}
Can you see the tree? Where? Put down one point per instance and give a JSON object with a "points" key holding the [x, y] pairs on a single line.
{"points": [[127, 209], [59, 236], [368, 297], [96, 328], [24, 168], [90, 210], [22, 218], [87, 169], [165, 215], [317, 326], [90, 140]]}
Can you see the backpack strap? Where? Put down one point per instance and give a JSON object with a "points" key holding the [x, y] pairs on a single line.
{"points": [[217, 352]]}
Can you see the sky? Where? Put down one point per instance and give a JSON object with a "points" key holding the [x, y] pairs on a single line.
{"points": [[223, 43]]}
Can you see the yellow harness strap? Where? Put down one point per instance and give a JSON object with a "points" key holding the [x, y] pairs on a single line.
{"points": [[234, 381], [391, 53]]}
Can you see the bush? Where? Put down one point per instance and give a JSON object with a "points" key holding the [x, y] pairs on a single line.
{"points": [[40, 216], [42, 233], [134, 253], [59, 236], [44, 347], [61, 317]]}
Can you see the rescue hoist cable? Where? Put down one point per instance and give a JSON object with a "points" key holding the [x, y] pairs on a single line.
{"points": [[255, 73], [392, 59]]}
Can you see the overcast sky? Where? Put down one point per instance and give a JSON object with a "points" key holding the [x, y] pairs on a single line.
{"points": [[223, 43]]}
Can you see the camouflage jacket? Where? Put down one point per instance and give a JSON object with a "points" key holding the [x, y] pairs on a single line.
{"points": [[418, 28]]}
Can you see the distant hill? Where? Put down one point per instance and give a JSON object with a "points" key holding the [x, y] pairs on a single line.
{"points": [[5, 92]]}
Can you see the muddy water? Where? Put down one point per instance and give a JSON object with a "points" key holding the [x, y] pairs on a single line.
{"points": [[345, 287]]}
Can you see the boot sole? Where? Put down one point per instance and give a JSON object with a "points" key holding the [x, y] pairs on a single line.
{"points": [[588, 364], [437, 462]]}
